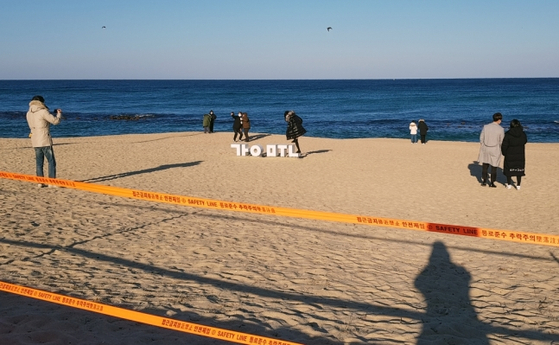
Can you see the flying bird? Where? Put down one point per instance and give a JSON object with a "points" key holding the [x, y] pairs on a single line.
{"points": [[103, 27], [329, 28]]}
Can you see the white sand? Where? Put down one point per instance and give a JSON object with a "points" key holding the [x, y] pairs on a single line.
{"points": [[306, 281]]}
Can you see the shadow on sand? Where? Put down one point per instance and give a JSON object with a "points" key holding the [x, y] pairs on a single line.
{"points": [[145, 171], [317, 152], [449, 318], [475, 171]]}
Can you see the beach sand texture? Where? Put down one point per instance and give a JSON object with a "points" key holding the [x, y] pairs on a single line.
{"points": [[306, 281]]}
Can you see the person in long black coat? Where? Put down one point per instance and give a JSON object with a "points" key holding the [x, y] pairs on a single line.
{"points": [[237, 126], [513, 148], [213, 116], [295, 127], [422, 126]]}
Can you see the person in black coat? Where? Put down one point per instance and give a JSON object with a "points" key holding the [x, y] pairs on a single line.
{"points": [[212, 120], [237, 126], [513, 148], [294, 127], [422, 126]]}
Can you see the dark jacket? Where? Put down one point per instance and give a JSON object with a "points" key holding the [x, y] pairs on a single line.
{"points": [[245, 121], [513, 148], [422, 126], [294, 127], [206, 120], [236, 123]]}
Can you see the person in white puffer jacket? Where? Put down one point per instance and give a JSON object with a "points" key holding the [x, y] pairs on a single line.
{"points": [[39, 120], [413, 132]]}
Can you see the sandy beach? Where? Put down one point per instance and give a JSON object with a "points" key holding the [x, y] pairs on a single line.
{"points": [[304, 281]]}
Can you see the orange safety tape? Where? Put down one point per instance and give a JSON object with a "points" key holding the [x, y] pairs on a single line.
{"points": [[502, 235], [153, 320]]}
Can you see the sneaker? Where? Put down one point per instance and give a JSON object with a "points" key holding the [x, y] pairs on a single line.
{"points": [[518, 187], [508, 186], [40, 185], [492, 185], [53, 186]]}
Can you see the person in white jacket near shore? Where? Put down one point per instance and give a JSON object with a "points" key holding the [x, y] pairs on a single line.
{"points": [[413, 132], [39, 120]]}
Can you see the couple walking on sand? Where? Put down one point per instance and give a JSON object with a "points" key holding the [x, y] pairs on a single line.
{"points": [[494, 143], [241, 125]]}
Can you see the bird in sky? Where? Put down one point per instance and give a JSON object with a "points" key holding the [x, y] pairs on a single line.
{"points": [[329, 28], [103, 27]]}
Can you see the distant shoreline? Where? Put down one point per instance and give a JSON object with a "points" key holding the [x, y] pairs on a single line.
{"points": [[257, 134], [325, 79]]}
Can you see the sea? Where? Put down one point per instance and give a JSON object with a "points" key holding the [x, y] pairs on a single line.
{"points": [[454, 109]]}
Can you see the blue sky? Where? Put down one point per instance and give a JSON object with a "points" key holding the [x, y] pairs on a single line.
{"points": [[245, 39]]}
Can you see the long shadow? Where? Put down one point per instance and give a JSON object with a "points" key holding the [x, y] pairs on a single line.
{"points": [[450, 317], [317, 151], [145, 171], [444, 285], [475, 171], [248, 219], [112, 330], [169, 137], [257, 137], [224, 284]]}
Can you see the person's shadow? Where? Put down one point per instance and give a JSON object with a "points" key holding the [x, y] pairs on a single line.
{"points": [[475, 170], [138, 172], [450, 317]]}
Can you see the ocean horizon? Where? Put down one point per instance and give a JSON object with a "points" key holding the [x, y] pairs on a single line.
{"points": [[454, 109]]}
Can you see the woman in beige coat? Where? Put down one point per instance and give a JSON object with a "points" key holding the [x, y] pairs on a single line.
{"points": [[39, 119]]}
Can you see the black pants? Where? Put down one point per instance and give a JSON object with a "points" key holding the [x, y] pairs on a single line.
{"points": [[518, 180], [237, 132], [422, 136], [245, 130], [484, 175]]}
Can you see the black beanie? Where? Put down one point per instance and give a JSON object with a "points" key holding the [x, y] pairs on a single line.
{"points": [[38, 98]]}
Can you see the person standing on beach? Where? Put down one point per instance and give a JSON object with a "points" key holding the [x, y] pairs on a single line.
{"points": [[295, 127], [513, 148], [422, 126], [237, 126], [245, 123], [39, 120], [206, 122], [491, 138], [212, 120], [413, 132]]}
